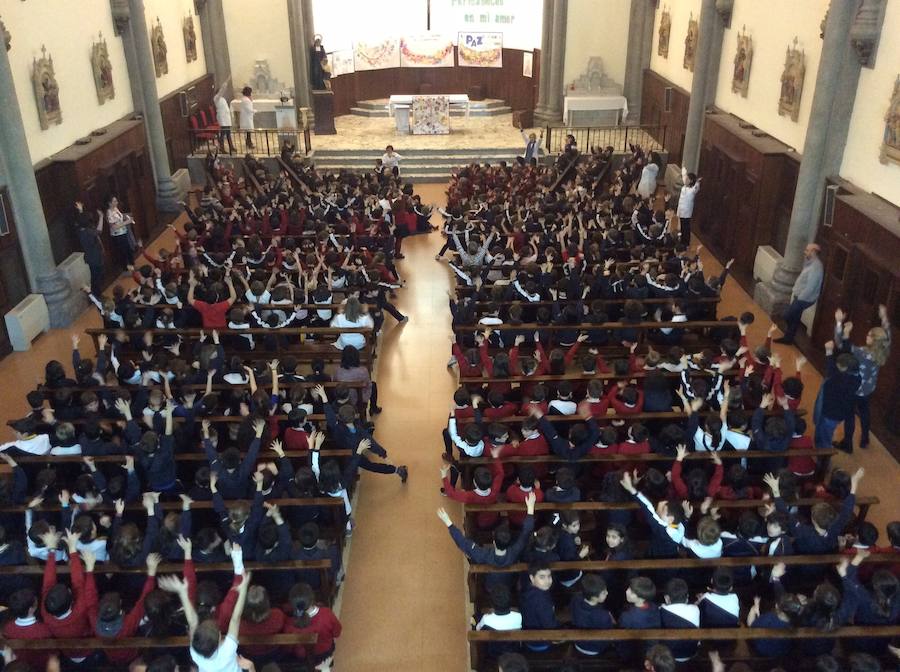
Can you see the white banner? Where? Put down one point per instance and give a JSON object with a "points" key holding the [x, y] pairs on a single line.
{"points": [[527, 63], [427, 50], [376, 56], [341, 62], [480, 50]]}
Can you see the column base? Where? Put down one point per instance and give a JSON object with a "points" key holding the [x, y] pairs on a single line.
{"points": [[167, 195], [62, 303], [547, 116], [775, 296]]}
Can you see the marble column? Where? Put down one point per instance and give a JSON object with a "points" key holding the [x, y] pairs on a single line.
{"points": [[709, 50], [215, 41], [637, 59], [557, 60], [300, 44], [829, 121], [540, 109], [122, 28], [166, 194], [25, 201]]}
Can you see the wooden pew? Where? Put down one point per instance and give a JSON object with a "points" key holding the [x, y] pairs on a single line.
{"points": [[553, 659], [147, 642]]}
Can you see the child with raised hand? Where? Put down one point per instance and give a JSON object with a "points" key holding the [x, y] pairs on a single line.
{"points": [[666, 521], [208, 649]]}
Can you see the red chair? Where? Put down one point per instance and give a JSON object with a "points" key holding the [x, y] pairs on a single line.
{"points": [[207, 122], [199, 133]]}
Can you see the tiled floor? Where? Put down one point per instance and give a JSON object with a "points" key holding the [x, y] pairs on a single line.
{"points": [[403, 605]]}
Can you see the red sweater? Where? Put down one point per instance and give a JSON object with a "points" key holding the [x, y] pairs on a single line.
{"points": [[535, 446], [296, 439], [515, 495], [801, 465], [327, 628], [681, 487], [129, 625], [620, 406], [273, 625], [466, 370], [77, 622], [37, 660], [484, 519], [504, 411]]}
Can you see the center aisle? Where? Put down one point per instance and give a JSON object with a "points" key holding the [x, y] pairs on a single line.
{"points": [[403, 600]]}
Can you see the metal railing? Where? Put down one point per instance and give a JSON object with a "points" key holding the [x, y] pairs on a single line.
{"points": [[259, 142], [649, 137]]}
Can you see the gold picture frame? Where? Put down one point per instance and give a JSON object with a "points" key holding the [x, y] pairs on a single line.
{"points": [[690, 43], [743, 59], [160, 51], [46, 90], [890, 145], [792, 82], [102, 68]]}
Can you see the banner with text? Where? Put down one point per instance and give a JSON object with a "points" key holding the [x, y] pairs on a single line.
{"points": [[480, 50], [376, 56], [427, 50]]}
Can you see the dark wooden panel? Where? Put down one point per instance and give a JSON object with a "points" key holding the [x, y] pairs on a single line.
{"points": [[13, 279], [199, 95], [747, 194], [654, 113], [115, 163], [506, 83]]}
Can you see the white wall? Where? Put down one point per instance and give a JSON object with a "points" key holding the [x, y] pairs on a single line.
{"points": [[33, 24], [260, 33], [586, 20], [171, 14], [773, 27], [672, 67], [861, 165]]}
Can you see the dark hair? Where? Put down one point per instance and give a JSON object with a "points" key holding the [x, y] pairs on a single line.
{"points": [[722, 580], [512, 662], [592, 586], [58, 599], [246, 91], [863, 662], [301, 598], [206, 638], [643, 587], [660, 659], [677, 591], [884, 590], [21, 602], [349, 357], [500, 598], [538, 566]]}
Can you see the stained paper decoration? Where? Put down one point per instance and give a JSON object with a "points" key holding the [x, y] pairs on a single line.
{"points": [[480, 50], [428, 50], [376, 55]]}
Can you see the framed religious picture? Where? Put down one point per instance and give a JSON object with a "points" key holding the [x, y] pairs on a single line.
{"points": [[665, 32], [190, 38], [158, 45], [792, 82], [743, 58], [102, 67], [690, 43], [890, 146], [46, 90]]}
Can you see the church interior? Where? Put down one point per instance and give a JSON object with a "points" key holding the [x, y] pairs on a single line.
{"points": [[468, 335]]}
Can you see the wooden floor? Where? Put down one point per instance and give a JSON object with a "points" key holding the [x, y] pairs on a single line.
{"points": [[403, 605]]}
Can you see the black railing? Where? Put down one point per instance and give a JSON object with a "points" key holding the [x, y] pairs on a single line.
{"points": [[620, 138], [259, 142]]}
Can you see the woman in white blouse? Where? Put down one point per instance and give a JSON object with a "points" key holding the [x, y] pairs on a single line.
{"points": [[391, 160], [352, 317], [246, 114], [119, 232]]}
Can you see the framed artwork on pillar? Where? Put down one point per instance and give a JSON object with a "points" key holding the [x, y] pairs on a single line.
{"points": [[46, 90], [102, 68], [890, 147], [743, 58], [665, 32], [190, 38], [160, 52], [792, 82], [690, 43]]}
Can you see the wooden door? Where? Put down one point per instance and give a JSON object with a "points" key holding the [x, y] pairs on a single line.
{"points": [[13, 277], [836, 288]]}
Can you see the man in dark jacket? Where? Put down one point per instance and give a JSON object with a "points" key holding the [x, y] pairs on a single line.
{"points": [[91, 245], [836, 396]]}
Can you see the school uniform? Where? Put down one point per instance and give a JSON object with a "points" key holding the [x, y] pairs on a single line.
{"points": [[538, 613], [719, 611], [681, 616], [590, 617]]}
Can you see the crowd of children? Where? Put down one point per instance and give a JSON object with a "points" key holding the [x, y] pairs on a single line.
{"points": [[302, 249], [557, 267]]}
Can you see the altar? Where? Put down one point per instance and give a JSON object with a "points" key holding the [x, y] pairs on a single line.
{"points": [[593, 110], [426, 115], [267, 112]]}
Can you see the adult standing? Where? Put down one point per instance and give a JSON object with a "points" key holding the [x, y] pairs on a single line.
{"points": [[246, 114], [871, 357], [690, 185], [647, 184], [223, 117], [91, 245], [532, 144], [805, 293], [317, 55], [119, 230], [391, 160]]}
